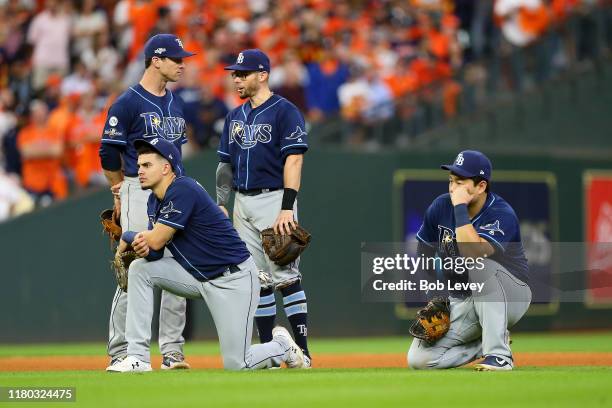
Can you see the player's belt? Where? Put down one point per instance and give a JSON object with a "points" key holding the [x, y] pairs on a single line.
{"points": [[230, 269], [256, 191]]}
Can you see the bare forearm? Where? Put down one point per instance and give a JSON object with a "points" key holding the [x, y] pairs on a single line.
{"points": [[292, 173], [470, 243], [113, 176]]}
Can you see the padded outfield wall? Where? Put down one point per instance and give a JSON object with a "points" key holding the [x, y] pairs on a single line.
{"points": [[57, 284]]}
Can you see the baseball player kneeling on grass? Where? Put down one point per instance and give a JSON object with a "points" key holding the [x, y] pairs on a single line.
{"points": [[209, 262], [471, 221]]}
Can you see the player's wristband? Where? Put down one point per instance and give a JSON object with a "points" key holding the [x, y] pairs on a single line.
{"points": [[289, 196], [154, 255], [128, 236], [461, 215]]}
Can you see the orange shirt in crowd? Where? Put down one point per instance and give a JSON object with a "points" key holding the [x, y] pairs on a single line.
{"points": [[534, 21], [42, 174], [142, 16], [60, 121], [85, 137]]}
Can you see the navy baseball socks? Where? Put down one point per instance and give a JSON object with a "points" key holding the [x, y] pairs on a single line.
{"points": [[265, 315], [296, 309], [294, 302]]}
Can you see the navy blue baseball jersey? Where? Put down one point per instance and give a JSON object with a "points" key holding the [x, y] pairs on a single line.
{"points": [[205, 242], [496, 222], [257, 141], [138, 114]]}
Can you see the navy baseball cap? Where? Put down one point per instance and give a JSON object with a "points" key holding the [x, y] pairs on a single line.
{"points": [[470, 163], [251, 60], [165, 45], [166, 149]]}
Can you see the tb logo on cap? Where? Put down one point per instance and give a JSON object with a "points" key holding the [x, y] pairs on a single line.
{"points": [[459, 159], [240, 59]]}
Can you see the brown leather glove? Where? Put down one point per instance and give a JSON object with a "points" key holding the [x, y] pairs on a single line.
{"points": [[111, 223], [284, 249], [433, 321], [120, 266]]}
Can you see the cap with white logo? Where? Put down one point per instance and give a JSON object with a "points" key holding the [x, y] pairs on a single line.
{"points": [[165, 45], [470, 163], [251, 60]]}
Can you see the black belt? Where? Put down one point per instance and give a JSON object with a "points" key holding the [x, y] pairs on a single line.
{"points": [[131, 175], [255, 191], [231, 269]]}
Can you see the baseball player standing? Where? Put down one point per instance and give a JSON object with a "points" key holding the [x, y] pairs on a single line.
{"points": [[261, 154], [146, 110], [209, 262], [471, 221]]}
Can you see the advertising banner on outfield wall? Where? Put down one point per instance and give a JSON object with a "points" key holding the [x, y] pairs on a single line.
{"points": [[598, 229]]}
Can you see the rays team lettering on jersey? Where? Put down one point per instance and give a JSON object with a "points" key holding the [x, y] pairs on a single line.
{"points": [[137, 114], [170, 128], [247, 136], [257, 141], [496, 222]]}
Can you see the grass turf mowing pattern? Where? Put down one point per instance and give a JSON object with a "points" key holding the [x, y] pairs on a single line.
{"points": [[559, 387], [533, 342]]}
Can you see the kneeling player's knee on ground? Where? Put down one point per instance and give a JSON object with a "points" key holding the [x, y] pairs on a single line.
{"points": [[233, 364], [419, 358]]}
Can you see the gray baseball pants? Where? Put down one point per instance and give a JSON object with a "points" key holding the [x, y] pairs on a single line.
{"points": [[253, 214], [172, 309], [479, 323], [232, 299]]}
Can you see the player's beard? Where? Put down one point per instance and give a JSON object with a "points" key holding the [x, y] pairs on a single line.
{"points": [[249, 91]]}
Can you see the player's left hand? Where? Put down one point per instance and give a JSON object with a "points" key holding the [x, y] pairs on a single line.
{"points": [[140, 245], [461, 195], [122, 246], [284, 222]]}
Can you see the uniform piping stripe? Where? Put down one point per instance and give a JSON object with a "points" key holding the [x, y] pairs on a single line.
{"points": [[246, 327], [259, 113], [423, 241], [488, 237], [293, 145], [294, 297], [482, 213], [295, 309], [171, 223], [223, 153], [114, 141], [152, 103], [186, 260]]}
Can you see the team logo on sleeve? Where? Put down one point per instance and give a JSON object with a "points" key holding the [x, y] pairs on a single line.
{"points": [[492, 228], [247, 136], [298, 133], [446, 241], [169, 209]]}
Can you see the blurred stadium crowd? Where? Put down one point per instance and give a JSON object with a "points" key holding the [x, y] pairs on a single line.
{"points": [[360, 62]]}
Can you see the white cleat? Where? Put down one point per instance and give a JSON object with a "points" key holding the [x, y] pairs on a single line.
{"points": [[294, 356], [130, 365]]}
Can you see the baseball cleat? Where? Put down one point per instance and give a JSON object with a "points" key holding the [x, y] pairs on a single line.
{"points": [[294, 356], [493, 363], [115, 361], [174, 361], [130, 364]]}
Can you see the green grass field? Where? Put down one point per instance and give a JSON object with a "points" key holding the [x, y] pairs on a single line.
{"points": [[526, 386]]}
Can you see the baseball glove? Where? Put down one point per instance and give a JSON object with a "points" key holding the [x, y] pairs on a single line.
{"points": [[284, 249], [120, 266], [111, 223], [433, 321]]}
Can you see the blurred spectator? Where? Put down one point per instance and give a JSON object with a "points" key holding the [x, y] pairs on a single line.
{"points": [[102, 59], [8, 119], [84, 141], [79, 81], [211, 115], [49, 34], [41, 150], [88, 22], [324, 79], [13, 199], [290, 79]]}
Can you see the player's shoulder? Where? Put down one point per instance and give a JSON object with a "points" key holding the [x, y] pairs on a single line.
{"points": [[238, 110], [285, 105], [126, 100], [498, 203], [442, 201]]}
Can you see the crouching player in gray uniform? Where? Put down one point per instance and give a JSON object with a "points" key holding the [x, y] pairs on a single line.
{"points": [[473, 222], [261, 154], [209, 262]]}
